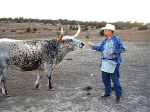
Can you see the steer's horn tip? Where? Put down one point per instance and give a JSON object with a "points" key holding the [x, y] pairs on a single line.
{"points": [[79, 29]]}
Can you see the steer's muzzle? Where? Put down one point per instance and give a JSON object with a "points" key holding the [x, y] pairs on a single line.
{"points": [[81, 45]]}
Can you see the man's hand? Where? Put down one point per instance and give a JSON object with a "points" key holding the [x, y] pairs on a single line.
{"points": [[110, 52], [89, 43]]}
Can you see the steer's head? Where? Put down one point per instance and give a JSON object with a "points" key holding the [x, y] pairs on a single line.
{"points": [[70, 41]]}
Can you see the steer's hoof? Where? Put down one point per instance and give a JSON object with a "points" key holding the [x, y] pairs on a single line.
{"points": [[37, 88], [52, 89], [7, 96]]}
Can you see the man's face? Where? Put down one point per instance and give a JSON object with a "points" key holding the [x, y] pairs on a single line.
{"points": [[107, 32]]}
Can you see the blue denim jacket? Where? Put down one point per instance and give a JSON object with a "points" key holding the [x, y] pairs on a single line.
{"points": [[119, 48]]}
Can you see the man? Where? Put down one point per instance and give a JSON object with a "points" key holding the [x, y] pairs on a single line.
{"points": [[111, 48]]}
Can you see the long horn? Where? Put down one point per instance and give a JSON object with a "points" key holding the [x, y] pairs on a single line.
{"points": [[77, 31], [61, 34]]}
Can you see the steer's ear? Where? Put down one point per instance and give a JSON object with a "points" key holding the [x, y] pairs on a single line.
{"points": [[60, 41]]}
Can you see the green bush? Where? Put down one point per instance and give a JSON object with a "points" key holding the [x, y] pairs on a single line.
{"points": [[34, 29], [142, 27], [74, 28], [13, 30], [86, 28], [101, 32], [119, 27], [129, 27], [70, 28], [57, 33], [28, 30], [87, 37]]}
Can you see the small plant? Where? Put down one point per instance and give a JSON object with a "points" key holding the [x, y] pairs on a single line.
{"points": [[34, 29], [119, 27], [86, 28], [101, 32], [28, 30], [74, 28], [20, 33], [92, 26], [45, 28], [57, 33], [13, 30], [87, 37], [70, 28]]}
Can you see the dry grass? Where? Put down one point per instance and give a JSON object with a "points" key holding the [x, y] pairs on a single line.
{"points": [[18, 31]]}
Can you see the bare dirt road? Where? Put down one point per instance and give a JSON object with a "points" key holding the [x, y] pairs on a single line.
{"points": [[78, 70]]}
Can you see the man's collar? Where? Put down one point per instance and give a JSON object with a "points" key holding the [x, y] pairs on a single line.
{"points": [[110, 37]]}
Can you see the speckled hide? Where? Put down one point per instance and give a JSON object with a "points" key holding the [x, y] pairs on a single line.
{"points": [[40, 55], [27, 55]]}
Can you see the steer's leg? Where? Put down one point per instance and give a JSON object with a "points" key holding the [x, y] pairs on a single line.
{"points": [[38, 80], [48, 69], [49, 83], [2, 81]]}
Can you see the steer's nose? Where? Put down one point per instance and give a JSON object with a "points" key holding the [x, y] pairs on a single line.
{"points": [[82, 44]]}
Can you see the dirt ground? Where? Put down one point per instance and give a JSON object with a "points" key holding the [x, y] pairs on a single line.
{"points": [[78, 70]]}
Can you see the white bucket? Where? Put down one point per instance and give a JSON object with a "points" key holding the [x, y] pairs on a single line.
{"points": [[108, 66]]}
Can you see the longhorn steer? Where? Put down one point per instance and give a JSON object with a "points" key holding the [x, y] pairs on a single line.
{"points": [[42, 55]]}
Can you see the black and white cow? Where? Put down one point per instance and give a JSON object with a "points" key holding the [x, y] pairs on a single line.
{"points": [[42, 55]]}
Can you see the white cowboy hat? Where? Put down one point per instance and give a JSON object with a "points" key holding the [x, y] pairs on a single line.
{"points": [[109, 27]]}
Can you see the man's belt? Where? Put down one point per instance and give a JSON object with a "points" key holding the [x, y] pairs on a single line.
{"points": [[109, 59]]}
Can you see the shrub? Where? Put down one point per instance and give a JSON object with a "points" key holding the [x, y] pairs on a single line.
{"points": [[34, 29], [92, 26], [20, 33], [119, 27], [129, 27], [142, 27], [86, 28], [13, 30], [28, 30], [70, 27], [57, 33], [101, 32], [82, 26], [45, 28], [87, 37], [74, 28]]}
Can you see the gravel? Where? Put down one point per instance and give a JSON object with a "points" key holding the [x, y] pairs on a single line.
{"points": [[80, 69]]}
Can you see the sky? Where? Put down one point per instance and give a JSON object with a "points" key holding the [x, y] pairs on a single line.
{"points": [[80, 10]]}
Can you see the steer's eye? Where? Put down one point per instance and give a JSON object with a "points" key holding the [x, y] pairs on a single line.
{"points": [[70, 40]]}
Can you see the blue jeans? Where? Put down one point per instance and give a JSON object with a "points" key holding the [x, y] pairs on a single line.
{"points": [[107, 77]]}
